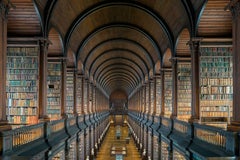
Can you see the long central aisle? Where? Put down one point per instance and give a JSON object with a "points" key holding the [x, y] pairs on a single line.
{"points": [[111, 141]]}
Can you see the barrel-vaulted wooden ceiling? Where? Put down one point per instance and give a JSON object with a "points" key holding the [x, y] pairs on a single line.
{"points": [[119, 44]]}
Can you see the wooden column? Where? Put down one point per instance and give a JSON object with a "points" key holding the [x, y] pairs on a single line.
{"points": [[195, 53], [63, 92], [43, 70], [174, 88], [234, 6], [3, 54]]}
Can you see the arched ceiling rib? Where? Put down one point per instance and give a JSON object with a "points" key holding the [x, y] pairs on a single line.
{"points": [[124, 44], [122, 72], [118, 55], [120, 31], [123, 68]]}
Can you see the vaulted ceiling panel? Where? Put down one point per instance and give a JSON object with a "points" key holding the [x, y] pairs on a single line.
{"points": [[122, 33], [23, 19], [119, 14], [215, 21]]}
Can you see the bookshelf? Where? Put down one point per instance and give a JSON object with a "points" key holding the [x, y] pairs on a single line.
{"points": [[164, 150], [158, 98], [147, 98], [22, 85], [167, 94], [156, 153], [81, 144], [152, 97], [59, 156], [72, 151], [150, 143], [79, 94], [184, 90], [177, 155], [86, 97], [216, 90], [54, 90], [70, 93]]}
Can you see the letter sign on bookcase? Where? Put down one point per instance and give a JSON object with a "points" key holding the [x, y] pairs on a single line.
{"points": [[22, 85], [216, 90], [54, 90]]}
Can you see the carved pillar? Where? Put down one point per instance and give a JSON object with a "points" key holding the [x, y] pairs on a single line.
{"points": [[234, 6], [63, 92], [3, 54], [195, 52], [174, 88], [43, 70]]}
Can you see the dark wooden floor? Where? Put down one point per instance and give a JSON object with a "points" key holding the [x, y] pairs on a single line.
{"points": [[110, 139]]}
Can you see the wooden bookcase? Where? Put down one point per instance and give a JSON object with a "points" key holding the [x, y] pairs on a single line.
{"points": [[79, 94], [59, 156], [158, 98], [54, 90], [22, 85], [184, 90], [167, 93], [164, 150], [70, 93], [216, 88]]}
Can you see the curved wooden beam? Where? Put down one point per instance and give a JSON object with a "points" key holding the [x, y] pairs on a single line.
{"points": [[119, 66], [144, 50], [113, 60], [126, 58], [118, 49], [104, 4], [130, 77]]}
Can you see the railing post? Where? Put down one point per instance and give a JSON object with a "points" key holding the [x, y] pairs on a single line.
{"points": [[6, 142]]}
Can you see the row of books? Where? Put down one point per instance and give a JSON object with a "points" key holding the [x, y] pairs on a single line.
{"points": [[22, 77], [22, 59], [21, 83], [22, 111], [22, 65], [216, 51], [22, 102], [21, 95], [216, 74], [22, 119], [15, 71], [216, 108], [23, 51], [216, 81], [216, 97], [217, 90]]}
